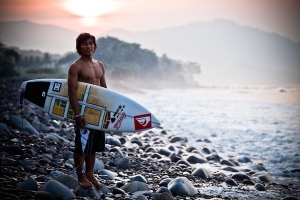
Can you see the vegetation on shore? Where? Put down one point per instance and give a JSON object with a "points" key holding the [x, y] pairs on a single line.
{"points": [[125, 62]]}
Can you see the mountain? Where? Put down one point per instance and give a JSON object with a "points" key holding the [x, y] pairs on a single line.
{"points": [[31, 36], [228, 53]]}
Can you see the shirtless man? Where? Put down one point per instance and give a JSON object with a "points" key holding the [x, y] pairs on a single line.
{"points": [[86, 69]]}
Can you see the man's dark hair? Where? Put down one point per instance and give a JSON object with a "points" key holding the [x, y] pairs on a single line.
{"points": [[83, 37]]}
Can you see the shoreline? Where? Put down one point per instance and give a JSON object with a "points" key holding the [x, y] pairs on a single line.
{"points": [[153, 158]]}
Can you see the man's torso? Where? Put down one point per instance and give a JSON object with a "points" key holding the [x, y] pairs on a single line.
{"points": [[90, 72]]}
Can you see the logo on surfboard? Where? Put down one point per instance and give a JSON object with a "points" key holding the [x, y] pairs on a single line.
{"points": [[56, 86], [142, 122]]}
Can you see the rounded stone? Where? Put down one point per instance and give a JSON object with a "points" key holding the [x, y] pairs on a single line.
{"points": [[240, 177], [193, 159], [182, 186], [135, 186], [58, 190], [29, 184], [122, 162], [202, 173], [231, 182], [259, 187]]}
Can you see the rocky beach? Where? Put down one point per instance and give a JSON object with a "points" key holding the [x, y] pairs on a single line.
{"points": [[36, 162]]}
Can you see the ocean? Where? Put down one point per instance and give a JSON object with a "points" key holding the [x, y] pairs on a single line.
{"points": [[262, 123]]}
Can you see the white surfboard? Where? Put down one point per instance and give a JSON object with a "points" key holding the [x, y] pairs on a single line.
{"points": [[102, 108]]}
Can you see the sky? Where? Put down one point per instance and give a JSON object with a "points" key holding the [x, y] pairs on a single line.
{"points": [[96, 16]]}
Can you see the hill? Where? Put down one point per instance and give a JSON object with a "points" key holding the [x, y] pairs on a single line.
{"points": [[228, 53], [31, 36]]}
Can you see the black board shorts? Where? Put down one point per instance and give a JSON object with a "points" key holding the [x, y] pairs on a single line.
{"points": [[89, 141]]}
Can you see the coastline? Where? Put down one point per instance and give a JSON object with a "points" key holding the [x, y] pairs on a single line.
{"points": [[153, 158]]}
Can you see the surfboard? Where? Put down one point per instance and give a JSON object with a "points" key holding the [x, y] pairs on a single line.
{"points": [[103, 109]]}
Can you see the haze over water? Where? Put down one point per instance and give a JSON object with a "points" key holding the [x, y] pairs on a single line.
{"points": [[262, 123]]}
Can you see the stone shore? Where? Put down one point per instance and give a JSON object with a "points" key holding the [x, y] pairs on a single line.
{"points": [[36, 162]]}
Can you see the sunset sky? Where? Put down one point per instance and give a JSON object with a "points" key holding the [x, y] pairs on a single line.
{"points": [[96, 16]]}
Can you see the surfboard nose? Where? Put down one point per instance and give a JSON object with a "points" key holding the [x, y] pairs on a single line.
{"points": [[155, 121]]}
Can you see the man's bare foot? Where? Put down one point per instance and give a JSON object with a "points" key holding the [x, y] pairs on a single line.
{"points": [[93, 180], [84, 183]]}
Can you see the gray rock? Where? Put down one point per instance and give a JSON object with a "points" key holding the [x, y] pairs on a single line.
{"points": [[105, 172], [178, 139], [136, 140], [61, 139], [122, 162], [3, 127], [141, 197], [13, 150], [113, 141], [165, 182], [163, 196], [67, 180], [138, 178], [174, 157], [226, 162], [150, 149], [29, 184], [289, 198], [193, 159], [164, 151], [135, 186], [206, 150], [202, 173], [93, 193], [58, 190], [214, 157], [24, 163], [41, 195], [98, 165], [240, 177], [22, 124], [231, 182], [182, 186], [244, 159], [230, 169], [164, 189], [117, 151], [260, 187], [156, 155], [183, 162], [265, 177]]}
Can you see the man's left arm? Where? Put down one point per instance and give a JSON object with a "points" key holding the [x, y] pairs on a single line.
{"points": [[102, 80]]}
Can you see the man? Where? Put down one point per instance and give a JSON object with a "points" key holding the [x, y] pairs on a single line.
{"points": [[86, 69]]}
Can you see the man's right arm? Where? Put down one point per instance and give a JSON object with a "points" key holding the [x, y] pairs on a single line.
{"points": [[72, 85]]}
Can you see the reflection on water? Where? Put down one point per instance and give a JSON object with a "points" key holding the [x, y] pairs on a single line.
{"points": [[261, 123]]}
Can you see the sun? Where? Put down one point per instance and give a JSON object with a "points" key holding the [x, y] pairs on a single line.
{"points": [[90, 8]]}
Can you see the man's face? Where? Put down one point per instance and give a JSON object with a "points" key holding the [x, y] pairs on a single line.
{"points": [[87, 47]]}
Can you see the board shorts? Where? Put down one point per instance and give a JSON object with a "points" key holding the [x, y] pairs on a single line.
{"points": [[89, 141]]}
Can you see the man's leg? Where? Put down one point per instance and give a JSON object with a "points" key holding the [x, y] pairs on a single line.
{"points": [[89, 164], [79, 161]]}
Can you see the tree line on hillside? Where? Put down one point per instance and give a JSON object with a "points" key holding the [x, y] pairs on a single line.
{"points": [[123, 61]]}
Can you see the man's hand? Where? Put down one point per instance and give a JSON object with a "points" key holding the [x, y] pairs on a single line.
{"points": [[80, 121]]}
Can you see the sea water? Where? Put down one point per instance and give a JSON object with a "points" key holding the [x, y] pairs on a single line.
{"points": [[262, 123]]}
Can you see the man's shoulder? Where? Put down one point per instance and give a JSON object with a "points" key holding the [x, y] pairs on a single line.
{"points": [[98, 61]]}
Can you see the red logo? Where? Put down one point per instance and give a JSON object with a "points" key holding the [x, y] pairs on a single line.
{"points": [[142, 122]]}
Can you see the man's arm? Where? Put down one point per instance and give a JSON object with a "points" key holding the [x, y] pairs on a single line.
{"points": [[102, 80], [72, 85]]}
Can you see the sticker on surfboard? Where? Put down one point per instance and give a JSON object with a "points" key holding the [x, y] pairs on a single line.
{"points": [[142, 121]]}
